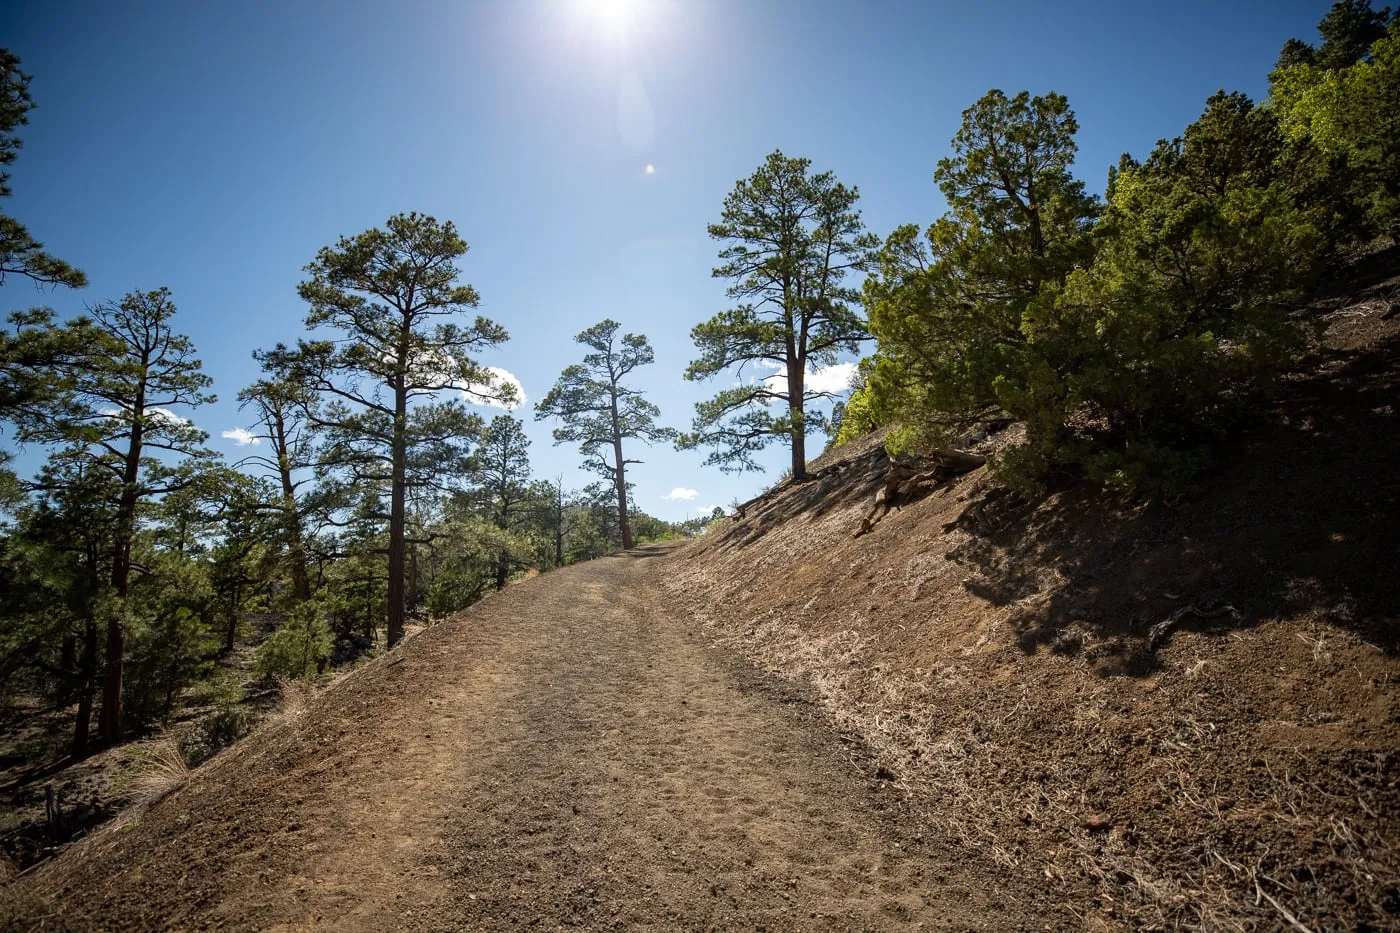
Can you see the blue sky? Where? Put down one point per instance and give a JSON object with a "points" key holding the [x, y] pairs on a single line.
{"points": [[214, 147]]}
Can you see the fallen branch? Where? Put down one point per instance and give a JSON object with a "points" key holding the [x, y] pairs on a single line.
{"points": [[1213, 609], [906, 476]]}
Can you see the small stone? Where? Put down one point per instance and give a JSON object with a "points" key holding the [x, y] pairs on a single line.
{"points": [[1097, 823]]}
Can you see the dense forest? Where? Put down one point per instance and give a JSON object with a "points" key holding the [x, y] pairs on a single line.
{"points": [[1125, 335]]}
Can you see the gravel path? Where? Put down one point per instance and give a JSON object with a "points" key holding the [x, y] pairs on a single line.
{"points": [[570, 753]]}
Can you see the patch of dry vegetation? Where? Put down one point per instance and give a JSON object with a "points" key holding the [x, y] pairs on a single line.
{"points": [[154, 768], [995, 655]]}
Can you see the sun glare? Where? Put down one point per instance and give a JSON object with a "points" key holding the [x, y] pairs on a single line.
{"points": [[616, 18]]}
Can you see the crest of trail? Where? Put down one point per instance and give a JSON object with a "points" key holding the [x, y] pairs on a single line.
{"points": [[597, 409]]}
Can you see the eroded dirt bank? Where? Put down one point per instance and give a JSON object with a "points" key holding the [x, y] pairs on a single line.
{"points": [[571, 753], [1237, 770]]}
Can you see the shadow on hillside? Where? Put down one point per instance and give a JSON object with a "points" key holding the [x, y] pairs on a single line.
{"points": [[835, 485], [1301, 517]]}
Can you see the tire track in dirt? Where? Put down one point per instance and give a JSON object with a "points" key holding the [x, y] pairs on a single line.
{"points": [[567, 754]]}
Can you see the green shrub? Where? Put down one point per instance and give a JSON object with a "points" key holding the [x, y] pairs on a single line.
{"points": [[217, 731], [1126, 337], [857, 417], [298, 650]]}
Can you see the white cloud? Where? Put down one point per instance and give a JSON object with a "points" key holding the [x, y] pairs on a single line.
{"points": [[473, 393], [705, 509], [242, 437], [835, 378], [681, 494], [832, 379], [155, 414]]}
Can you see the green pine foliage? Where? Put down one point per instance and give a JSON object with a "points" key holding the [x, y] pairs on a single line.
{"points": [[1129, 336], [299, 649], [790, 238], [1343, 101]]}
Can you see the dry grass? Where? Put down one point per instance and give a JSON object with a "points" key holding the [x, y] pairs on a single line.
{"points": [[293, 697], [155, 768], [1189, 800], [1139, 875]]}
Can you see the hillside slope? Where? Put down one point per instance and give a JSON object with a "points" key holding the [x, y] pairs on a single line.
{"points": [[996, 652], [568, 753]]}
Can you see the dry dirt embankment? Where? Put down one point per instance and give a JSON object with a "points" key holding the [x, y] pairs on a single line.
{"points": [[996, 653], [570, 753]]}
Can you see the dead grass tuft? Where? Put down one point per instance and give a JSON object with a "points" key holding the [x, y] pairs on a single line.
{"points": [[155, 767], [293, 697]]}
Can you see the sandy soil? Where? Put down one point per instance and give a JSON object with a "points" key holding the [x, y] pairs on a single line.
{"points": [[997, 653], [568, 754]]}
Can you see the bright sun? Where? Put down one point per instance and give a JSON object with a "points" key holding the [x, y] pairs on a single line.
{"points": [[615, 17]]}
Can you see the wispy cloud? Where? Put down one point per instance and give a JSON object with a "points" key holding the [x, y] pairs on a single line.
{"points": [[705, 509], [479, 394], [681, 494], [241, 436], [835, 378]]}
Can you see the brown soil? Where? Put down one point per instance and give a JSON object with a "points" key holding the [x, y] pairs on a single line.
{"points": [[569, 753], [995, 652], [958, 721]]}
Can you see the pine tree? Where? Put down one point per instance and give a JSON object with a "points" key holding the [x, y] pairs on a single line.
{"points": [[20, 253], [391, 296], [598, 411], [118, 414], [789, 239]]}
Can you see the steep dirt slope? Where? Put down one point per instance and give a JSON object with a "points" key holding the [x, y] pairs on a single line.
{"points": [[996, 651], [569, 753]]}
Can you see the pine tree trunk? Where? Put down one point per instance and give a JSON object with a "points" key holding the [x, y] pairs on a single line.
{"points": [[623, 523], [111, 721], [396, 518], [296, 548], [87, 688], [796, 412], [621, 474]]}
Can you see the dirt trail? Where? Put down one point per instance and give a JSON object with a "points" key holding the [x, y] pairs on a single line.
{"points": [[569, 753]]}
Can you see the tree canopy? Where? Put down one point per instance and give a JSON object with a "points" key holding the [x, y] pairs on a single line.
{"points": [[790, 237], [598, 411], [392, 296]]}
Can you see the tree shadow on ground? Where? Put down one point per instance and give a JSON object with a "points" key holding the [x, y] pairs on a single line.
{"points": [[1301, 517], [855, 478]]}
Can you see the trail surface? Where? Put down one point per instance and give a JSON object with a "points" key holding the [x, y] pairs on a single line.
{"points": [[570, 753]]}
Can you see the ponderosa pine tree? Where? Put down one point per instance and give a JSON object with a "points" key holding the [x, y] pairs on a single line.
{"points": [[502, 477], [1124, 350], [557, 513], [392, 296], [55, 568], [790, 238], [951, 309], [134, 370], [1341, 101], [280, 407], [598, 411]]}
